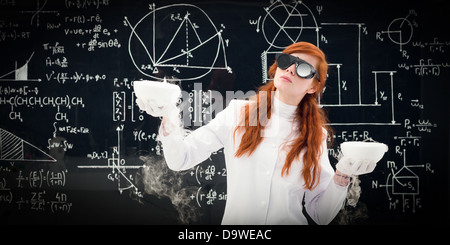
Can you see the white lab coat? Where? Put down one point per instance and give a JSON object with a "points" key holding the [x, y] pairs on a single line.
{"points": [[256, 192]]}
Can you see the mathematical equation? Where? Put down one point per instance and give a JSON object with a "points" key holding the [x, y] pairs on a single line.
{"points": [[29, 190], [425, 68]]}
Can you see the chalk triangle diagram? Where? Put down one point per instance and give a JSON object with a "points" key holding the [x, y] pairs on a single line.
{"points": [[405, 182], [13, 148], [189, 50]]}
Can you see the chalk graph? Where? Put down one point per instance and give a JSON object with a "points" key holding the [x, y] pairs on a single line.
{"points": [[14, 148], [36, 13], [289, 22], [172, 39], [117, 165], [20, 73]]}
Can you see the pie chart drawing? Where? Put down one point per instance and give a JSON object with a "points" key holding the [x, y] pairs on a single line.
{"points": [[179, 42]]}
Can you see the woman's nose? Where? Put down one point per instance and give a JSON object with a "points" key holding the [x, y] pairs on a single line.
{"points": [[291, 69]]}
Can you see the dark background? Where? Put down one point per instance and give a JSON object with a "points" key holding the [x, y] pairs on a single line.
{"points": [[403, 45]]}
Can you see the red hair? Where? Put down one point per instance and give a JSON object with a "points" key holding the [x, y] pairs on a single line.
{"points": [[311, 118]]}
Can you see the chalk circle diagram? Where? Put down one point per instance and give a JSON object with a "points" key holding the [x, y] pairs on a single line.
{"points": [[283, 24], [178, 39], [400, 31]]}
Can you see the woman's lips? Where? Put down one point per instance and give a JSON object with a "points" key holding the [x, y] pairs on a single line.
{"points": [[286, 79]]}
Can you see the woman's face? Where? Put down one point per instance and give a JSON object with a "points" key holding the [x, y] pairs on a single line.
{"points": [[290, 87]]}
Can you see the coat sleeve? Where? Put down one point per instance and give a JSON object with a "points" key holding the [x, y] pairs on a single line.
{"points": [[325, 201], [182, 153]]}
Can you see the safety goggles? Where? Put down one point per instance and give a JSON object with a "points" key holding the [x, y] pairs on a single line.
{"points": [[303, 68]]}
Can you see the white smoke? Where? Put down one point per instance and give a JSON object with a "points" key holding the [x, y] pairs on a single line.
{"points": [[354, 191], [353, 211], [158, 180]]}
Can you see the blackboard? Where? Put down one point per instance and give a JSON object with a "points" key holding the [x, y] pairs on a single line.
{"points": [[75, 149]]}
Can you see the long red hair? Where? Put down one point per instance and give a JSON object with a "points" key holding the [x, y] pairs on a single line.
{"points": [[312, 120]]}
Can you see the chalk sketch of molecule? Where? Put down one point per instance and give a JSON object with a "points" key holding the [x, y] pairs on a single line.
{"points": [[178, 40]]}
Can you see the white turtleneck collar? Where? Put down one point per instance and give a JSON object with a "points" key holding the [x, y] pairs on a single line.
{"points": [[283, 110]]}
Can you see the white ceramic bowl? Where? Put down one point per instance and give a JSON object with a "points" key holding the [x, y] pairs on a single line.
{"points": [[157, 91], [364, 150]]}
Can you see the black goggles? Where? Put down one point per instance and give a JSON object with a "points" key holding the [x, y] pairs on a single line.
{"points": [[303, 68]]}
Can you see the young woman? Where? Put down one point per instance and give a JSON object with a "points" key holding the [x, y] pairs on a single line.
{"points": [[275, 147]]}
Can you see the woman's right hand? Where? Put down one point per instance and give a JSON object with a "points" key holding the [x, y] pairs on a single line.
{"points": [[154, 108], [350, 166]]}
